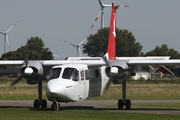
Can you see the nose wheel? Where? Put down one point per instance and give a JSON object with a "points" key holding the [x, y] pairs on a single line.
{"points": [[55, 106]]}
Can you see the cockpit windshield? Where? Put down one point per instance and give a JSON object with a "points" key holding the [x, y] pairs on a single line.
{"points": [[55, 72], [70, 73]]}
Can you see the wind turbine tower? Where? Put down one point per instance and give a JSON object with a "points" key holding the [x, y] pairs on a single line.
{"points": [[102, 5], [102, 12], [77, 46], [6, 36]]}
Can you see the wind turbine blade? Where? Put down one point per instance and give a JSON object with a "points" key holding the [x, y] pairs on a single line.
{"points": [[69, 43], [82, 41], [122, 5], [2, 33], [79, 49], [12, 27], [7, 41], [53, 53], [56, 55], [100, 3], [107, 5], [96, 19]]}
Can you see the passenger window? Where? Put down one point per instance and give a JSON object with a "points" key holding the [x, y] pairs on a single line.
{"points": [[87, 74], [97, 73]]}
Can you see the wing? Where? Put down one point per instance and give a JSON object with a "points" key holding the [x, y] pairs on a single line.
{"points": [[12, 62], [94, 62], [45, 63], [154, 62]]}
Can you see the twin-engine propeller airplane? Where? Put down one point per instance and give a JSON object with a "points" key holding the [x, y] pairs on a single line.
{"points": [[73, 80]]}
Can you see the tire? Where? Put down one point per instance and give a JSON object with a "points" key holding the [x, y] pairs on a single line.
{"points": [[54, 106], [36, 103], [128, 104], [120, 104], [44, 103]]}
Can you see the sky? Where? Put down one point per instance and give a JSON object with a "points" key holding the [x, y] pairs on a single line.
{"points": [[152, 22]]}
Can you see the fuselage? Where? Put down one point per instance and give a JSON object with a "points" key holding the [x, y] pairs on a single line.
{"points": [[75, 82]]}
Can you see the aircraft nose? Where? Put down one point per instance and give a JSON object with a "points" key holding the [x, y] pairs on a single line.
{"points": [[59, 89], [53, 88]]}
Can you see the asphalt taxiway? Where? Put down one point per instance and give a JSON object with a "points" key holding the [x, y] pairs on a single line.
{"points": [[98, 105]]}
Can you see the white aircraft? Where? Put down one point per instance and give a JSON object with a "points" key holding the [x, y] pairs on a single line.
{"points": [[73, 80]]}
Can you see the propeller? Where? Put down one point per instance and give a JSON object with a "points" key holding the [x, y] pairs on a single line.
{"points": [[27, 71], [117, 67], [113, 70], [16, 81]]}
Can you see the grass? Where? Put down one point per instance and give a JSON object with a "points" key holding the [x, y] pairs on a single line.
{"points": [[149, 89], [160, 89], [145, 90], [37, 114], [164, 105]]}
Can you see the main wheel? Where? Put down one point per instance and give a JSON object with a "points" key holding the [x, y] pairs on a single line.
{"points": [[36, 103], [44, 103], [128, 104], [120, 104]]}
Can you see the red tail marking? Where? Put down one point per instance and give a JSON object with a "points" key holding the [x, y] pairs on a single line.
{"points": [[112, 34]]}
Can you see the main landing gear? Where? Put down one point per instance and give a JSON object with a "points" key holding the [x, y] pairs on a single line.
{"points": [[124, 102], [40, 102], [121, 104]]}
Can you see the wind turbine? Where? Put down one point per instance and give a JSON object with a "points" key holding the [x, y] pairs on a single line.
{"points": [[76, 45], [6, 36], [102, 12], [54, 55], [102, 5]]}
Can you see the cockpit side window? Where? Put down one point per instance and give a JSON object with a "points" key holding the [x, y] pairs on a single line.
{"points": [[71, 73], [55, 72]]}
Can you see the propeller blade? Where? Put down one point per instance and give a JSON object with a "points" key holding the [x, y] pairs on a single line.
{"points": [[106, 61], [25, 58], [12, 27], [16, 81], [96, 19]]}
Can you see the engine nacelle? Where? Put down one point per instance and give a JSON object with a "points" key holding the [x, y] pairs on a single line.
{"points": [[118, 71], [33, 72]]}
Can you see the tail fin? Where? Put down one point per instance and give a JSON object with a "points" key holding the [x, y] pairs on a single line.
{"points": [[112, 34]]}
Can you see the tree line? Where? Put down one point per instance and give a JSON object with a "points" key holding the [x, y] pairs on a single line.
{"points": [[126, 45]]}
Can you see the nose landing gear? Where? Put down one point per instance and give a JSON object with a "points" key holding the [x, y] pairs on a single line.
{"points": [[55, 105]]}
